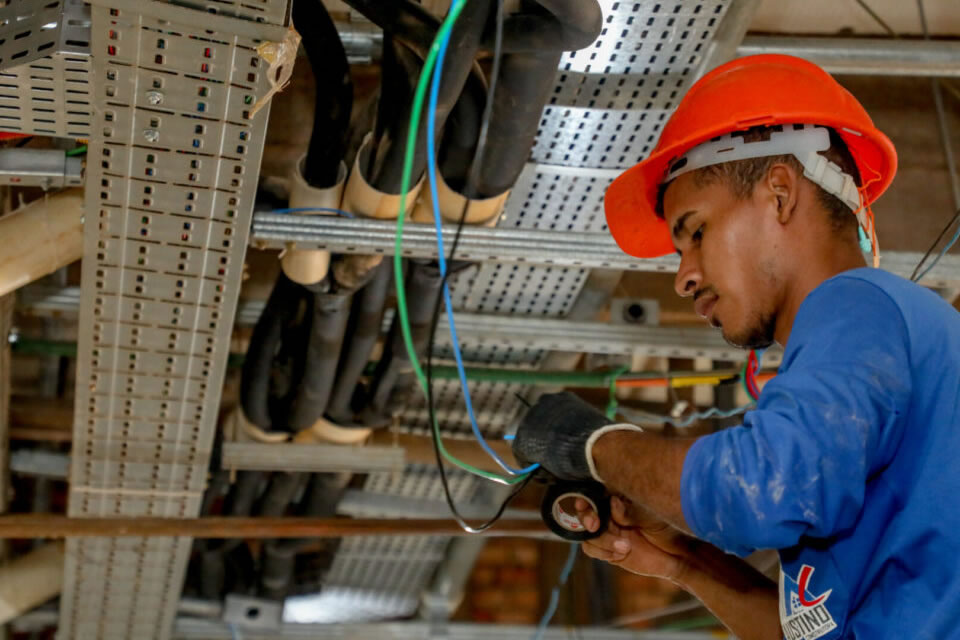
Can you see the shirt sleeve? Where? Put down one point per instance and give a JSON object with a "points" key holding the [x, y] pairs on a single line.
{"points": [[800, 462]]}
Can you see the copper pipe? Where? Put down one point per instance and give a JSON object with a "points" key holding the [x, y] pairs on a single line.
{"points": [[28, 526]]}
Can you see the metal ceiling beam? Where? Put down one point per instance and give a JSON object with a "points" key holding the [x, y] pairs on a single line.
{"points": [[327, 458], [190, 629], [865, 56], [841, 56], [733, 28], [358, 501], [513, 246], [564, 335], [524, 332], [596, 337]]}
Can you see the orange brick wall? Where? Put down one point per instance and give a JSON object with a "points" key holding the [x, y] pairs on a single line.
{"points": [[504, 586]]}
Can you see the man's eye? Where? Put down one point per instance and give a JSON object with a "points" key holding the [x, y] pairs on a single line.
{"points": [[698, 234]]}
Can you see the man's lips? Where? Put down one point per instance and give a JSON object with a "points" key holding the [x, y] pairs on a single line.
{"points": [[704, 305]]}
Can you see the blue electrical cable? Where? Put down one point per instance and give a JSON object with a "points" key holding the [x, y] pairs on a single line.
{"points": [[555, 594], [943, 252], [686, 421], [455, 341], [339, 212]]}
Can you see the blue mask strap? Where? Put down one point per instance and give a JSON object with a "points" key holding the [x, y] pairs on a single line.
{"points": [[865, 245]]}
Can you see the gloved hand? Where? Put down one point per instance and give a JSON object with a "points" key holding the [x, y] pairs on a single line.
{"points": [[558, 432]]}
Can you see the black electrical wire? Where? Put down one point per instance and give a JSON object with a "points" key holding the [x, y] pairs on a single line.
{"points": [[923, 21], [431, 407], [873, 14], [452, 505], [916, 271]]}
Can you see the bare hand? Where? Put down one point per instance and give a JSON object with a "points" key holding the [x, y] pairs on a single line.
{"points": [[635, 540]]}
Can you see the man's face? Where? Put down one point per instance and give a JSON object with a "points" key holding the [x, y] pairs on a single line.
{"points": [[728, 258]]}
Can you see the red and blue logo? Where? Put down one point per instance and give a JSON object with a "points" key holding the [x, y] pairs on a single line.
{"points": [[803, 613]]}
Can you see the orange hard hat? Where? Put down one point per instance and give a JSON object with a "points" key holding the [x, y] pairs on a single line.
{"points": [[752, 91]]}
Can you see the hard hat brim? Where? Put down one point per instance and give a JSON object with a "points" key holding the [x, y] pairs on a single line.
{"points": [[630, 204], [768, 89]]}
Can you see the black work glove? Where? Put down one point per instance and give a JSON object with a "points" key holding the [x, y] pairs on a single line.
{"points": [[558, 432]]}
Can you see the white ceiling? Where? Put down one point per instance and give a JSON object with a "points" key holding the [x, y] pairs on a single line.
{"points": [[833, 16], [819, 16]]}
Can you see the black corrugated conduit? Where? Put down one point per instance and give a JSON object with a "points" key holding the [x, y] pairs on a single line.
{"points": [[328, 309], [274, 323], [227, 564], [279, 557], [334, 92], [553, 25], [313, 345], [366, 318], [525, 81], [402, 61]]}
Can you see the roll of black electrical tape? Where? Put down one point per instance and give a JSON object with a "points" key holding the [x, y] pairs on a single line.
{"points": [[557, 510]]}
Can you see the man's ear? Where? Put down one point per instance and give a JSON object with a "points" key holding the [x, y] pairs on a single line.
{"points": [[782, 186]]}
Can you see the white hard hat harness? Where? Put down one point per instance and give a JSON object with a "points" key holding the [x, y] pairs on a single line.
{"points": [[804, 142]]}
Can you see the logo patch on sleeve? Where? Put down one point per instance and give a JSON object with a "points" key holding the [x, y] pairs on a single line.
{"points": [[803, 614]]}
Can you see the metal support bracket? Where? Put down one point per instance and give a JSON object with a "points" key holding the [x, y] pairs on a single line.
{"points": [[45, 168]]}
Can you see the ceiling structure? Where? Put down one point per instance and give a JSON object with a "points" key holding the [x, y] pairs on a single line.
{"points": [[163, 93]]}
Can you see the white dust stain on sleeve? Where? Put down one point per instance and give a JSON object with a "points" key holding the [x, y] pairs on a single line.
{"points": [[750, 491], [776, 487]]}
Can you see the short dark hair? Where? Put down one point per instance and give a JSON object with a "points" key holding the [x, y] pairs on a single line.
{"points": [[741, 176]]}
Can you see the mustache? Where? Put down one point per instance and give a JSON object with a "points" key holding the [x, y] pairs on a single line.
{"points": [[702, 292]]}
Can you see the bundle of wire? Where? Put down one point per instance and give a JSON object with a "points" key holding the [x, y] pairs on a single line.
{"points": [[749, 376], [917, 273], [432, 68], [433, 65], [438, 222]]}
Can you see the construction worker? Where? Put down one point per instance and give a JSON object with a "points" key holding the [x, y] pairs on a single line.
{"points": [[762, 182]]}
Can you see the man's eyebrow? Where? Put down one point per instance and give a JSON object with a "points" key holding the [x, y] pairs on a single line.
{"points": [[680, 225]]}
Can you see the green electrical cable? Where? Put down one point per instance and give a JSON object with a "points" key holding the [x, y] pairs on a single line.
{"points": [[612, 404], [582, 379], [690, 624], [30, 347], [78, 151], [402, 314]]}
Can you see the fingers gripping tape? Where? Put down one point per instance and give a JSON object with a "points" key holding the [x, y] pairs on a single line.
{"points": [[557, 509]]}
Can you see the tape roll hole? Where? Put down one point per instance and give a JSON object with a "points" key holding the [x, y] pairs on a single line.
{"points": [[565, 510]]}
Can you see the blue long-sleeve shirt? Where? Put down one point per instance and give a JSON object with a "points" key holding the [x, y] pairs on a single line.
{"points": [[849, 466]]}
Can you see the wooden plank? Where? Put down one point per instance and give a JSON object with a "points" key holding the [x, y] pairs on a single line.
{"points": [[27, 526], [6, 322]]}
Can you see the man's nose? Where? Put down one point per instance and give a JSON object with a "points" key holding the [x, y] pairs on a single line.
{"points": [[688, 278]]}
